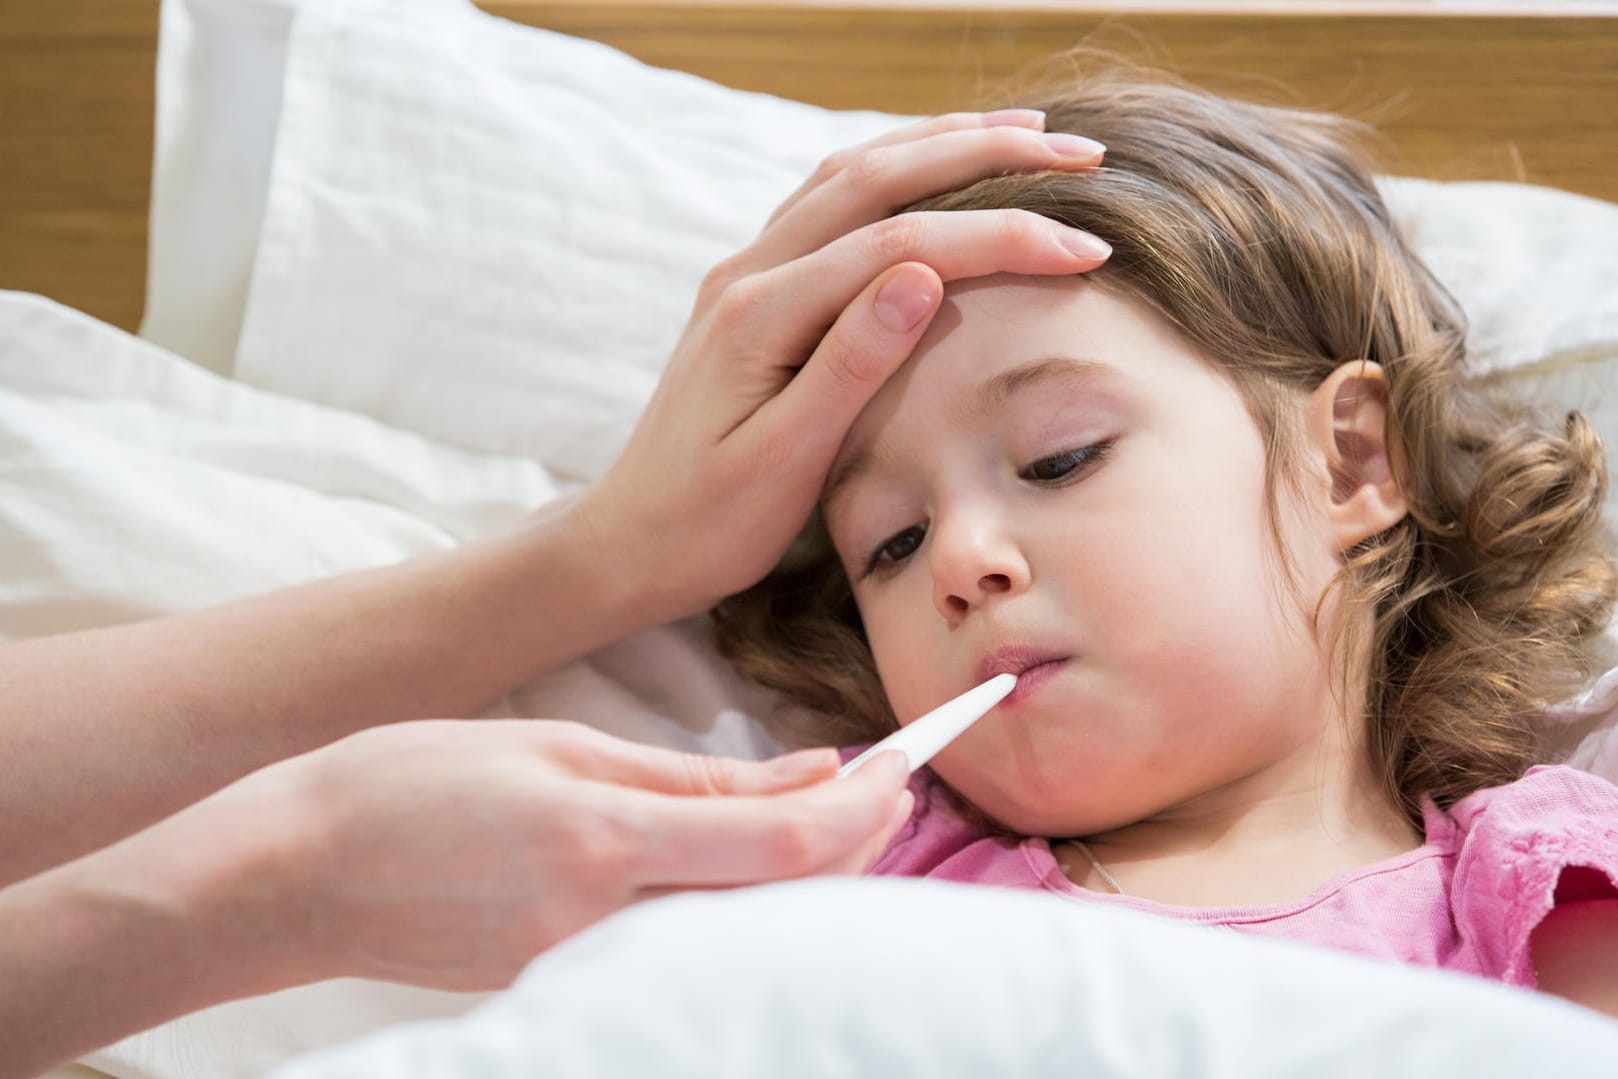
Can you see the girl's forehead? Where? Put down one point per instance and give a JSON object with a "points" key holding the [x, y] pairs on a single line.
{"points": [[1008, 318], [977, 304], [997, 333], [989, 327]]}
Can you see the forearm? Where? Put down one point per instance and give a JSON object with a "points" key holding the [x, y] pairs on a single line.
{"points": [[195, 911], [109, 730]]}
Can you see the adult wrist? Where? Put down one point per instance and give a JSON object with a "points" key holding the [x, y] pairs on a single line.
{"points": [[223, 885], [625, 579]]}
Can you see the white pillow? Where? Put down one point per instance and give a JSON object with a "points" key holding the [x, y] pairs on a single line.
{"points": [[492, 234], [220, 67], [1536, 269]]}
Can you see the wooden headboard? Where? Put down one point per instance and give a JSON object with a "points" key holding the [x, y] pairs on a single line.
{"points": [[1519, 92]]}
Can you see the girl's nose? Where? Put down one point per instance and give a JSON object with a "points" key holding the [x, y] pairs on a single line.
{"points": [[972, 563]]}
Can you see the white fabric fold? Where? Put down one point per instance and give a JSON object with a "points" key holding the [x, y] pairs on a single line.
{"points": [[924, 979]]}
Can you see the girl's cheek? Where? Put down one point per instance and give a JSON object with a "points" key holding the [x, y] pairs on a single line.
{"points": [[900, 664]]}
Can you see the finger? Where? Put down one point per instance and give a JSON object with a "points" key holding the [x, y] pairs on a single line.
{"points": [[857, 864], [861, 861], [882, 180], [601, 757], [811, 291], [838, 162], [871, 338], [716, 842]]}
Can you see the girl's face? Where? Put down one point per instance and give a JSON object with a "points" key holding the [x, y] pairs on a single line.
{"points": [[1056, 484]]}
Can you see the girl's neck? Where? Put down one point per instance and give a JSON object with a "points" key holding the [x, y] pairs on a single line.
{"points": [[1269, 838]]}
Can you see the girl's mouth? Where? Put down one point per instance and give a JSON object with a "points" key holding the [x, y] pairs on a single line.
{"points": [[1031, 678], [1033, 667]]}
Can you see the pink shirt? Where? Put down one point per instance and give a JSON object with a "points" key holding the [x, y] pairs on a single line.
{"points": [[1466, 900]]}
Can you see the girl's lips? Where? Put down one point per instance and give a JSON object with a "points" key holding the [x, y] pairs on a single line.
{"points": [[1032, 678]]}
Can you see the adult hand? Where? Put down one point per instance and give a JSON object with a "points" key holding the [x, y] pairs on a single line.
{"points": [[450, 853], [439, 853], [793, 335]]}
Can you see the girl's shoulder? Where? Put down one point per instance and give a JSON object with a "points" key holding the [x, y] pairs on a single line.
{"points": [[1520, 849], [1548, 800]]}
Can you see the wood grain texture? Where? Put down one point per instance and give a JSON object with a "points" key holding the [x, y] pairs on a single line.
{"points": [[1460, 93], [76, 110], [1475, 93]]}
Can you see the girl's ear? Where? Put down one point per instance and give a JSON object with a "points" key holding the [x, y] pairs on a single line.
{"points": [[1348, 415]]}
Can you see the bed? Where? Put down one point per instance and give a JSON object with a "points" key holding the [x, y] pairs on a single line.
{"points": [[473, 190]]}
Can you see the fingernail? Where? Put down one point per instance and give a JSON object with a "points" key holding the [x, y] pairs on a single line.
{"points": [[902, 811], [894, 762], [802, 766], [1014, 118], [1083, 244], [900, 304], [1074, 145]]}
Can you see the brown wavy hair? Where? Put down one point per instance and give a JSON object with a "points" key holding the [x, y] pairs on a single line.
{"points": [[1258, 233]]}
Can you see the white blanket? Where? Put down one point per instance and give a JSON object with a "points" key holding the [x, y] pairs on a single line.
{"points": [[908, 979]]}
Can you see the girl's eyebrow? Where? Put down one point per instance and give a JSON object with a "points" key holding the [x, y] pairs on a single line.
{"points": [[996, 391], [989, 395]]}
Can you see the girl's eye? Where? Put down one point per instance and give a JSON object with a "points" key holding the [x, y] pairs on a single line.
{"points": [[1066, 465], [896, 549]]}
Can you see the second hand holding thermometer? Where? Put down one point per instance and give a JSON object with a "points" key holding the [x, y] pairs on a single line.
{"points": [[938, 728]]}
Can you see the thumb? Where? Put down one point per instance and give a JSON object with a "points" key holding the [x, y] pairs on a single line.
{"points": [[861, 860], [870, 340]]}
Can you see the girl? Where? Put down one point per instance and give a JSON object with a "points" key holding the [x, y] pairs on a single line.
{"points": [[1282, 590]]}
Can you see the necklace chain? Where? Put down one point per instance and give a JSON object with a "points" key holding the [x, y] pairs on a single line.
{"points": [[1095, 863]]}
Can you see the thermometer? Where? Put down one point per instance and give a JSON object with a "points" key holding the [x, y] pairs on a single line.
{"points": [[938, 728]]}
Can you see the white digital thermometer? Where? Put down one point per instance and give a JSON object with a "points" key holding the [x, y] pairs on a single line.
{"points": [[938, 728]]}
